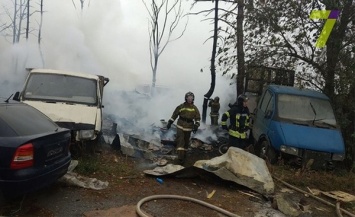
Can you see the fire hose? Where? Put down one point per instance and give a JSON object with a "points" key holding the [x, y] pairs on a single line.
{"points": [[178, 197], [227, 213]]}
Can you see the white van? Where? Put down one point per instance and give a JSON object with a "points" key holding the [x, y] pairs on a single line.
{"points": [[72, 100]]}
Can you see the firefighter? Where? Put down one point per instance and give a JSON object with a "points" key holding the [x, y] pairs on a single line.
{"points": [[215, 106], [238, 116], [189, 121]]}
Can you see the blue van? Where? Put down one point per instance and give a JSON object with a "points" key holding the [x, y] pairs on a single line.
{"points": [[298, 124]]}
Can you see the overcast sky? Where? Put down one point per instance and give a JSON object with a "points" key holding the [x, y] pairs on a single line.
{"points": [[111, 38]]}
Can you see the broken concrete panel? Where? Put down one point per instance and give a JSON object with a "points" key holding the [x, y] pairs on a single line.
{"points": [[127, 149], [139, 149], [148, 154], [75, 179], [266, 210], [287, 205], [241, 167], [236, 165], [168, 169], [198, 144], [130, 150]]}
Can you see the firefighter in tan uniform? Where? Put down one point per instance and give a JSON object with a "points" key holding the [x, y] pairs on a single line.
{"points": [[189, 121], [215, 106]]}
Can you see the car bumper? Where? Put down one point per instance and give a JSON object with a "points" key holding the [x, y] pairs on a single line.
{"points": [[29, 184]]}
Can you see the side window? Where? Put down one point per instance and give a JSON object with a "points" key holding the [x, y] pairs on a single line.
{"points": [[266, 101], [271, 106]]}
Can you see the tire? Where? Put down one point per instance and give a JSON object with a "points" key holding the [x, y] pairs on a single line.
{"points": [[93, 146], [223, 148], [267, 152], [2, 198]]}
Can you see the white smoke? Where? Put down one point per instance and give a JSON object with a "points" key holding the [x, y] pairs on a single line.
{"points": [[110, 38]]}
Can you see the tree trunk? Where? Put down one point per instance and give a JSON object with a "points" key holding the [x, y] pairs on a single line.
{"points": [[19, 23], [154, 80], [40, 33], [240, 48], [213, 67], [333, 48], [14, 23], [28, 19]]}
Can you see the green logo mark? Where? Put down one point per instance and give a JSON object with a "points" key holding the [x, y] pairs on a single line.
{"points": [[331, 17]]}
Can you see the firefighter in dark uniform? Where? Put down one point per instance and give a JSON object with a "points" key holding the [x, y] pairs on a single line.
{"points": [[189, 121], [238, 116], [215, 106]]}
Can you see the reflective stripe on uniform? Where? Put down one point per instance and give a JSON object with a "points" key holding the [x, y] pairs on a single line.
{"points": [[183, 128], [227, 113], [237, 117], [180, 149], [187, 109], [247, 121], [237, 120], [237, 134]]}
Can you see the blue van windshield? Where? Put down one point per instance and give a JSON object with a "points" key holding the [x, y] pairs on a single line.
{"points": [[303, 108]]}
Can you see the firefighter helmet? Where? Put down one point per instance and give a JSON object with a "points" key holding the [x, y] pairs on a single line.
{"points": [[216, 99], [189, 94], [242, 98]]}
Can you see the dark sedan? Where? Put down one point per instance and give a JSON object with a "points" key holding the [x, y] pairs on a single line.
{"points": [[34, 151]]}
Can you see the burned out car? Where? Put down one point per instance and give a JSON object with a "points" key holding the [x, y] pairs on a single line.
{"points": [[34, 151], [71, 99]]}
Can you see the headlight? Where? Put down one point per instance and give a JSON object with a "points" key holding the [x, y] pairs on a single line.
{"points": [[86, 134], [289, 150], [338, 157]]}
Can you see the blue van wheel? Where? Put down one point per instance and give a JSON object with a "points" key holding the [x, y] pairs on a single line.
{"points": [[267, 152]]}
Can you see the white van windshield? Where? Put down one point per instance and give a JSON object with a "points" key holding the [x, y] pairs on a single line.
{"points": [[302, 108], [61, 88]]}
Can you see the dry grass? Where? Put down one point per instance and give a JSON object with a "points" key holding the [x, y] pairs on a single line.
{"points": [[110, 165], [340, 180]]}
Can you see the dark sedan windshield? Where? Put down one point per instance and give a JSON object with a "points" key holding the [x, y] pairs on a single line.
{"points": [[302, 108], [22, 120]]}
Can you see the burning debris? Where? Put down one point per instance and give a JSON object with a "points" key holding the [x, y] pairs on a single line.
{"points": [[74, 179], [157, 143]]}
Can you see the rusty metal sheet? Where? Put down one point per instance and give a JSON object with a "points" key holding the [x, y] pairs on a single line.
{"points": [[340, 195]]}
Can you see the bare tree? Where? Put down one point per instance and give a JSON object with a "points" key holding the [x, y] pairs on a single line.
{"points": [[16, 15], [28, 19], [82, 2], [40, 32], [237, 25], [20, 8], [208, 95], [19, 14], [240, 48], [164, 18]]}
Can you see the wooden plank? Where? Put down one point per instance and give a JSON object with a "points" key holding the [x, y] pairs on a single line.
{"points": [[340, 195]]}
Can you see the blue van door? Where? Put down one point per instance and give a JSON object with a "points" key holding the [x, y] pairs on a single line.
{"points": [[263, 115]]}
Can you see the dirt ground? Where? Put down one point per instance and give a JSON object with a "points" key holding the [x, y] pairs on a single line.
{"points": [[128, 185]]}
